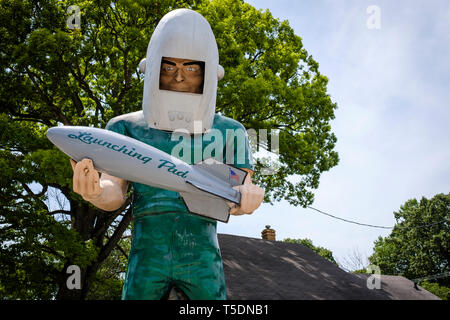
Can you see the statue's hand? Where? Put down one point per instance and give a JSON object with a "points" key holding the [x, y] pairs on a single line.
{"points": [[251, 198], [86, 180]]}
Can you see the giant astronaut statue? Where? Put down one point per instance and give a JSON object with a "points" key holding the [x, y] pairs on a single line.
{"points": [[172, 248]]}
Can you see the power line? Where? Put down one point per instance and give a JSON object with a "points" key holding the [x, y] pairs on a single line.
{"points": [[374, 226], [349, 221]]}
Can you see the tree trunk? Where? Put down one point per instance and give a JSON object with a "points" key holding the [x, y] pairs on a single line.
{"points": [[72, 284], [67, 288]]}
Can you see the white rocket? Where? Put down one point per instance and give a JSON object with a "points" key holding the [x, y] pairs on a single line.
{"points": [[205, 187]]}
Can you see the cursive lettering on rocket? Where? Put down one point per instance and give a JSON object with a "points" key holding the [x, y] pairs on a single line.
{"points": [[88, 138]]}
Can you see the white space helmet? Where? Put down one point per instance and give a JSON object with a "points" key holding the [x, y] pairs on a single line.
{"points": [[183, 34]]}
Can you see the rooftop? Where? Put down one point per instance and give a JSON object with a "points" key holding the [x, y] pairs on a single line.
{"points": [[257, 269]]}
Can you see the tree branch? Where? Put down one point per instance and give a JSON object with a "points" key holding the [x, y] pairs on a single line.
{"points": [[35, 196], [46, 99], [112, 242], [258, 54], [64, 190], [86, 88], [127, 77], [28, 190], [103, 225], [120, 248], [52, 251], [59, 211]]}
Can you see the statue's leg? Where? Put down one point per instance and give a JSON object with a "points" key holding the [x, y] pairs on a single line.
{"points": [[149, 262], [144, 282], [197, 262]]}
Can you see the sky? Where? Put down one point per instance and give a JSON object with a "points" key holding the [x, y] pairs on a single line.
{"points": [[392, 88]]}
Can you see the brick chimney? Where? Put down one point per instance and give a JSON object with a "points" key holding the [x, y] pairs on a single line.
{"points": [[268, 234]]}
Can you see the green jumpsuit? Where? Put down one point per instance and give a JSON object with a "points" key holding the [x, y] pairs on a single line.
{"points": [[170, 246]]}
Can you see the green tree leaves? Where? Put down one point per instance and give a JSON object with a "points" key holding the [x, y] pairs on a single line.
{"points": [[321, 251], [419, 245]]}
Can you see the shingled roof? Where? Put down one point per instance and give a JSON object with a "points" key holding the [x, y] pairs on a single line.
{"points": [[400, 288], [257, 269]]}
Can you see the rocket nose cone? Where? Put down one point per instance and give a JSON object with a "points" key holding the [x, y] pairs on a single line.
{"points": [[51, 134], [54, 135]]}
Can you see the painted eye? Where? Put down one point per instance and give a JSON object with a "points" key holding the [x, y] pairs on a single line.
{"points": [[168, 68], [191, 69]]}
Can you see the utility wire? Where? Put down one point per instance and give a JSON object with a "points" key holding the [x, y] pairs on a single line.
{"points": [[371, 225], [349, 221]]}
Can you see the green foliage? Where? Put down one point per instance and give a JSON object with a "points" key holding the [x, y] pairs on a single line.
{"points": [[433, 287], [52, 75], [110, 276], [360, 271], [419, 244], [323, 252]]}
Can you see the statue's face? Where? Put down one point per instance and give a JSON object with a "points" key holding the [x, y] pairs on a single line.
{"points": [[181, 75]]}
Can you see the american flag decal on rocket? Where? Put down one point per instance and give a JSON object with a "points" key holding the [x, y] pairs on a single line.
{"points": [[234, 176]]}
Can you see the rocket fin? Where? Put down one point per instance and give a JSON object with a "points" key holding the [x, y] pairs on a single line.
{"points": [[223, 171], [229, 193], [207, 206], [217, 190]]}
